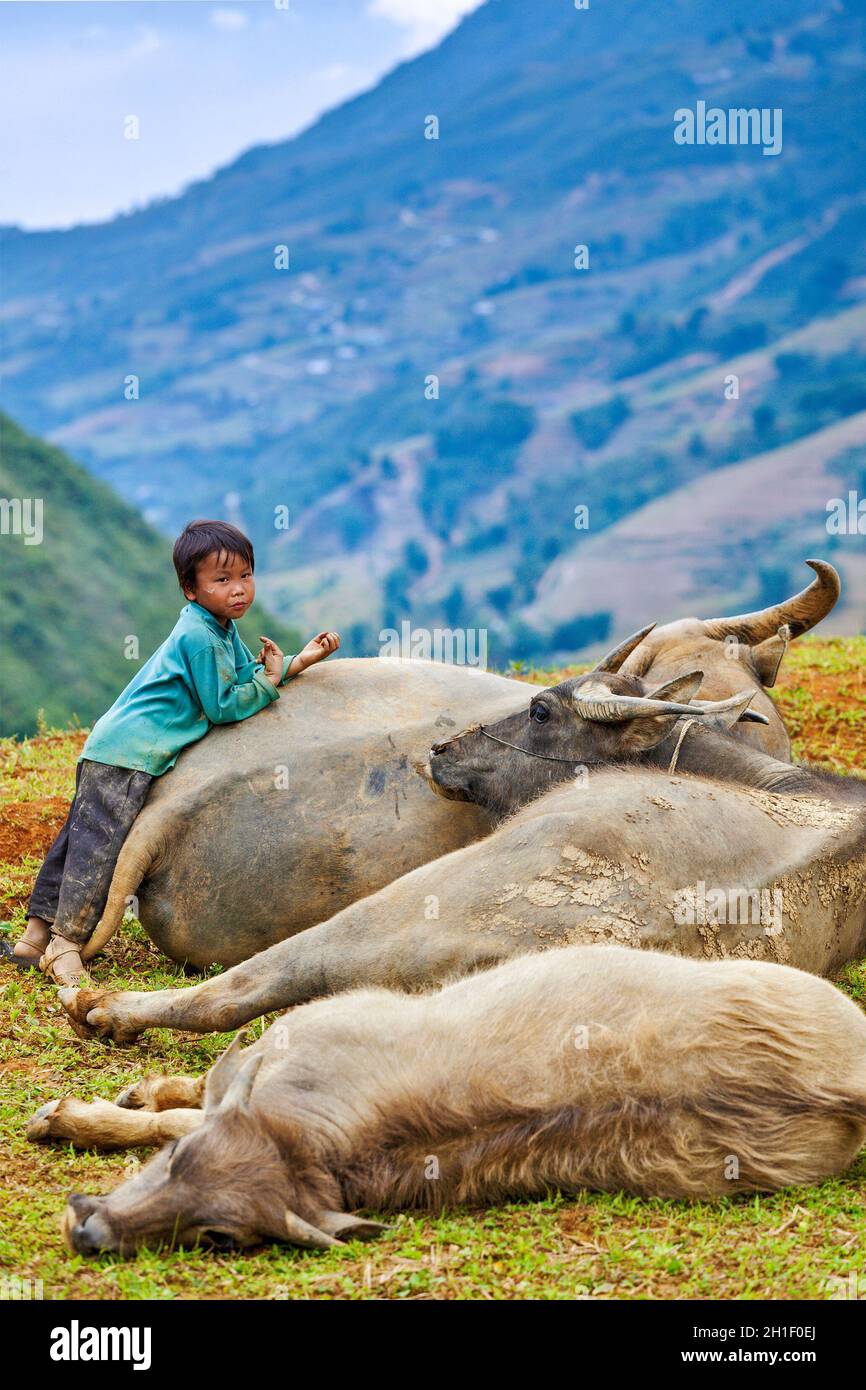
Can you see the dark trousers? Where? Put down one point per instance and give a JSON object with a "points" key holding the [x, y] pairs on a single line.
{"points": [[72, 885]]}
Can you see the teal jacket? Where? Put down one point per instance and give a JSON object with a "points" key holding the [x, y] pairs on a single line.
{"points": [[201, 675]]}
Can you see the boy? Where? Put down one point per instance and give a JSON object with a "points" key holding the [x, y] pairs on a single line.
{"points": [[201, 675]]}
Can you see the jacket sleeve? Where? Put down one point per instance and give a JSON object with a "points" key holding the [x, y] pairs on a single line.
{"points": [[223, 693], [244, 658]]}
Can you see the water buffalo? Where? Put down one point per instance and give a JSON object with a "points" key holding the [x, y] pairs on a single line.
{"points": [[595, 1067], [268, 826], [616, 853], [740, 651]]}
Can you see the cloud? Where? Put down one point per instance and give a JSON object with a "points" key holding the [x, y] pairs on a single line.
{"points": [[335, 72], [230, 21], [425, 21], [144, 45]]}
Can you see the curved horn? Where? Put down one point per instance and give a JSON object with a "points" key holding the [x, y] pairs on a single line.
{"points": [[300, 1232], [749, 716], [617, 656], [800, 613], [726, 713], [619, 707], [344, 1226]]}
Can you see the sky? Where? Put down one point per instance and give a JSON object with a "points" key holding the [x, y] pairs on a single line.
{"points": [[205, 79]]}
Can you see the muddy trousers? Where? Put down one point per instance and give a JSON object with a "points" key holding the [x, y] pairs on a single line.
{"points": [[72, 886]]}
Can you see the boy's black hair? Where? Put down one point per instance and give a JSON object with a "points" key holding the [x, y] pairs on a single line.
{"points": [[198, 539]]}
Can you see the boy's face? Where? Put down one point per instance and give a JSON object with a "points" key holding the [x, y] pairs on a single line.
{"points": [[224, 585]]}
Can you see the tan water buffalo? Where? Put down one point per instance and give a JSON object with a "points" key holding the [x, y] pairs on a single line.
{"points": [[580, 1068]]}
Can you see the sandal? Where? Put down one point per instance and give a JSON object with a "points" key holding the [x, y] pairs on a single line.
{"points": [[51, 956]]}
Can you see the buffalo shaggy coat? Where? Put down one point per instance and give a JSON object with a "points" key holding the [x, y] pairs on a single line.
{"points": [[585, 1067]]}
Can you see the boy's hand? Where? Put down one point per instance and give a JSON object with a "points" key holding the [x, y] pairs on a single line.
{"points": [[316, 649], [272, 659]]}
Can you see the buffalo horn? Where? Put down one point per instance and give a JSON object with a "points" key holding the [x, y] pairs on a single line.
{"points": [[617, 656], [613, 708], [300, 1232], [800, 613]]}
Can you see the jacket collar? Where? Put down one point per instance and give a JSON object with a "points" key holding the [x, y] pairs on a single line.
{"points": [[208, 618]]}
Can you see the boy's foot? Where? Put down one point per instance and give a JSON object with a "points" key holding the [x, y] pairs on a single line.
{"points": [[62, 963], [27, 950], [9, 953]]}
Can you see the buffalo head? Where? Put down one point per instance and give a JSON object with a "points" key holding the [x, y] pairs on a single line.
{"points": [[734, 652], [602, 717], [228, 1185]]}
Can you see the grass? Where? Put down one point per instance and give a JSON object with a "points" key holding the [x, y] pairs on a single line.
{"points": [[792, 1245]]}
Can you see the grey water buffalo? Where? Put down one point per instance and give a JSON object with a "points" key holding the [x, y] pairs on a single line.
{"points": [[597, 1067], [605, 717], [624, 851], [733, 653], [268, 826]]}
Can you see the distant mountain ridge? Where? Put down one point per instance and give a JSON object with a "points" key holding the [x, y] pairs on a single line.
{"points": [[453, 500]]}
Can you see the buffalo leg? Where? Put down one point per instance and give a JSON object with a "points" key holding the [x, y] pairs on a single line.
{"points": [[98, 1124], [164, 1093], [356, 947]]}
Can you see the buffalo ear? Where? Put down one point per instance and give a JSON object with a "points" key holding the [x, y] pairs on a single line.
{"points": [[343, 1226], [768, 656], [224, 1071], [681, 688], [724, 714], [237, 1095], [642, 733]]}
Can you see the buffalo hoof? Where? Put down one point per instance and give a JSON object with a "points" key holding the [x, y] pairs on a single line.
{"points": [[90, 1018], [39, 1125], [86, 1124], [131, 1098]]}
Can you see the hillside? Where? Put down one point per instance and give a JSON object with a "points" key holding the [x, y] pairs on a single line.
{"points": [[69, 604], [557, 387]]}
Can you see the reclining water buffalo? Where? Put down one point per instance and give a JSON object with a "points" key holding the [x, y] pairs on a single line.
{"points": [[625, 851], [267, 827], [740, 651], [581, 1068]]}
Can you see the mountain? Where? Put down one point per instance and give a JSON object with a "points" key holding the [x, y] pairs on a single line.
{"points": [[93, 575], [453, 501]]}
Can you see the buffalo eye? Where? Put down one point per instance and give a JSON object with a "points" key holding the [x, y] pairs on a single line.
{"points": [[540, 713]]}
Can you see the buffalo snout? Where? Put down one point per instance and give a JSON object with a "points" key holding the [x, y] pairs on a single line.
{"points": [[445, 772], [85, 1229]]}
